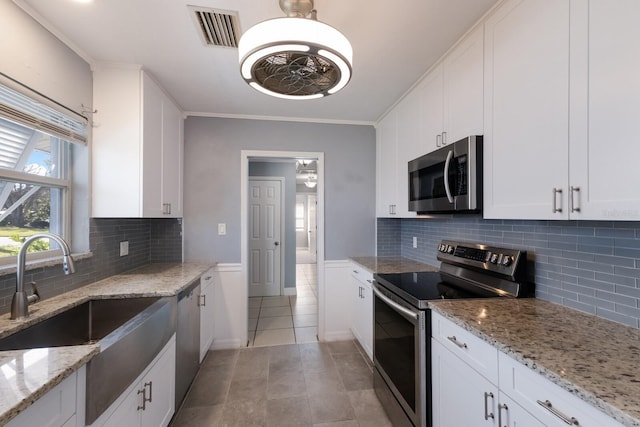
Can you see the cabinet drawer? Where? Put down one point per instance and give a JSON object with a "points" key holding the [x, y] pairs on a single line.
{"points": [[527, 388], [478, 354], [206, 279], [362, 274]]}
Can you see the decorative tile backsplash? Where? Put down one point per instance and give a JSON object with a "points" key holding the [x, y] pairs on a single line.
{"points": [[592, 266], [150, 240]]}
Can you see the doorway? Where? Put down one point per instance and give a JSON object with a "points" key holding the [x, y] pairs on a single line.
{"points": [[293, 315]]}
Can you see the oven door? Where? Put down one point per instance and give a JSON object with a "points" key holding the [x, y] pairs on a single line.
{"points": [[400, 356]]}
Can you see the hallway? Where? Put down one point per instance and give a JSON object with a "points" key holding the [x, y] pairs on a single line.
{"points": [[286, 319]]}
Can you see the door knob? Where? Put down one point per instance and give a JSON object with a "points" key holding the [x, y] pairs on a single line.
{"points": [[276, 243]]}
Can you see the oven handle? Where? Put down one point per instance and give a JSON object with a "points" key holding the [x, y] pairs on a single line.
{"points": [[394, 305], [446, 176]]}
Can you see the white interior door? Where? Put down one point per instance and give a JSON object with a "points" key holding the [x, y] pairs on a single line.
{"points": [[264, 237], [312, 206]]}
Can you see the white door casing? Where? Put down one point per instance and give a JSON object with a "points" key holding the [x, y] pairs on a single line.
{"points": [[312, 206], [245, 155], [265, 239]]}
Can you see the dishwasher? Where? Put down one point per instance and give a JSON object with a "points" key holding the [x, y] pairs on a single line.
{"points": [[187, 339]]}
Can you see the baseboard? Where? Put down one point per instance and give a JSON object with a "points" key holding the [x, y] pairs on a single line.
{"points": [[338, 335], [289, 291], [226, 344], [228, 267]]}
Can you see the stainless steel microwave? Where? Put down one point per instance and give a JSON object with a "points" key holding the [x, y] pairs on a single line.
{"points": [[448, 180]]}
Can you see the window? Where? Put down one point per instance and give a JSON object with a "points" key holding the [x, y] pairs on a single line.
{"points": [[34, 172], [299, 216]]}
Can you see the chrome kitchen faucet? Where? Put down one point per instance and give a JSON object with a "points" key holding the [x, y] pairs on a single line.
{"points": [[20, 302]]}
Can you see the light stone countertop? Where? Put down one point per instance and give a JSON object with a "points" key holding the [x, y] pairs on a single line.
{"points": [[22, 386], [594, 359], [392, 264]]}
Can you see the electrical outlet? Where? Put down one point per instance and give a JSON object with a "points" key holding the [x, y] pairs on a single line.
{"points": [[415, 242], [222, 229], [124, 248]]}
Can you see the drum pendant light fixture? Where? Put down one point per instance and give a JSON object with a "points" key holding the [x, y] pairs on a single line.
{"points": [[296, 57]]}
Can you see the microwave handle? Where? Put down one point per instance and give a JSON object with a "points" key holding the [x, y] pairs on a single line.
{"points": [[446, 176]]}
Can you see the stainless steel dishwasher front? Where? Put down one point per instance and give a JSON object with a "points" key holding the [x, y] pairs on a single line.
{"points": [[187, 339]]}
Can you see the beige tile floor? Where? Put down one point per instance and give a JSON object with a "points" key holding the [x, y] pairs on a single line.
{"points": [[286, 319], [311, 384]]}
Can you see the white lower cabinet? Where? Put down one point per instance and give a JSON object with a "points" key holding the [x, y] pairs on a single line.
{"points": [[461, 396], [206, 313], [149, 401], [57, 408], [362, 313], [467, 391]]}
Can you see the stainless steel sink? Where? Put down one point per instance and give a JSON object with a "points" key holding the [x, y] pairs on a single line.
{"points": [[130, 332]]}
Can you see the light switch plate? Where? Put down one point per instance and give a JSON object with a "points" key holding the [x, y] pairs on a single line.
{"points": [[415, 242], [124, 248], [222, 229]]}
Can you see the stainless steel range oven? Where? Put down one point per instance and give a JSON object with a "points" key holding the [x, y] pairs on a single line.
{"points": [[402, 321]]}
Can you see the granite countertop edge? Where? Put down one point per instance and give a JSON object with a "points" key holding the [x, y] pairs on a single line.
{"points": [[142, 279], [587, 396], [73, 363]]}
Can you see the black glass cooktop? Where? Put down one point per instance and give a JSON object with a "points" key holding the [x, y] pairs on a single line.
{"points": [[418, 288]]}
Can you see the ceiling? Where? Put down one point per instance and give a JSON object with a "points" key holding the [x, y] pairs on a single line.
{"points": [[394, 43]]}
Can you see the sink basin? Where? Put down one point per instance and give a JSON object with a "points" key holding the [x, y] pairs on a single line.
{"points": [[86, 323], [130, 332]]}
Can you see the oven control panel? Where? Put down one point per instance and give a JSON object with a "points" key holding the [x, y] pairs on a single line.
{"points": [[499, 260]]}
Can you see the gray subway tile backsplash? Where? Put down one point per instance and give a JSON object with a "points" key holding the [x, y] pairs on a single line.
{"points": [[150, 240], [592, 266]]}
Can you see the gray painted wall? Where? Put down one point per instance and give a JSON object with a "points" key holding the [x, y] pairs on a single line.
{"points": [[288, 171], [212, 182]]}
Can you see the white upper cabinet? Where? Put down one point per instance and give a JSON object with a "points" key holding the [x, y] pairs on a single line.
{"points": [[605, 107], [452, 94], [562, 100], [431, 112], [463, 89], [526, 122], [386, 160], [136, 146]]}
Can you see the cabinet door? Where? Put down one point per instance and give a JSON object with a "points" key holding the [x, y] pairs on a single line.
{"points": [[54, 409], [386, 166], [408, 148], [128, 412], [460, 395], [431, 114], [463, 101], [526, 109], [510, 414], [160, 384], [605, 108], [356, 312], [172, 124], [151, 148], [206, 313]]}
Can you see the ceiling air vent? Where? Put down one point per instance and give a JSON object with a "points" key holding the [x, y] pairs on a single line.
{"points": [[217, 27]]}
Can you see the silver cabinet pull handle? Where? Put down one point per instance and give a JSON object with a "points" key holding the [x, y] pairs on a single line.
{"points": [[454, 340], [438, 144], [500, 408], [446, 176], [203, 300], [143, 392], [487, 415], [549, 407], [355, 271], [557, 191], [150, 384], [573, 206], [369, 280], [444, 138]]}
